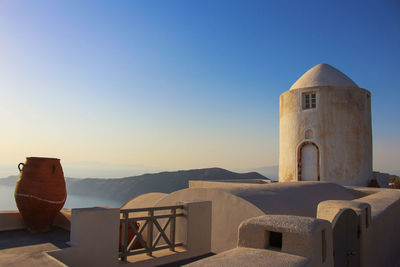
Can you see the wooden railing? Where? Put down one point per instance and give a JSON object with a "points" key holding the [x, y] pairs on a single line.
{"points": [[152, 224]]}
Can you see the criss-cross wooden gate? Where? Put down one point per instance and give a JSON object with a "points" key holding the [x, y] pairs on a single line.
{"points": [[152, 224]]}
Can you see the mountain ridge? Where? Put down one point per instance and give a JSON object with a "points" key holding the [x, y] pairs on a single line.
{"points": [[126, 188]]}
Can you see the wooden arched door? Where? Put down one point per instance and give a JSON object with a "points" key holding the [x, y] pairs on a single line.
{"points": [[346, 239], [308, 162]]}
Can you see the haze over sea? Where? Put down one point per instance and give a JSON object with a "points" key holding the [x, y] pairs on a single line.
{"points": [[7, 201]]}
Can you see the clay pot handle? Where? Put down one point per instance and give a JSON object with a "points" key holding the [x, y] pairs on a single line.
{"points": [[19, 168]]}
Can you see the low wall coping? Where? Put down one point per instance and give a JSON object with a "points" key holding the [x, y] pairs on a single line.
{"points": [[286, 223]]}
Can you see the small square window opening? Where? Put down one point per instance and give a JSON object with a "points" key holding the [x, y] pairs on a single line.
{"points": [[309, 100], [275, 240]]}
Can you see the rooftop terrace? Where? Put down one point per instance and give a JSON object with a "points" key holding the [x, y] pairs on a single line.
{"points": [[22, 248], [272, 234]]}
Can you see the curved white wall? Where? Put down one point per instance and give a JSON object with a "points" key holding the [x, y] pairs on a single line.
{"points": [[234, 203], [228, 211], [143, 201], [294, 198]]}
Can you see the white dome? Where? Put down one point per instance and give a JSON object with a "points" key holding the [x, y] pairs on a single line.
{"points": [[323, 75]]}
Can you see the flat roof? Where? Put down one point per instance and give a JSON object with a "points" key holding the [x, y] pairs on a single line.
{"points": [[22, 248]]}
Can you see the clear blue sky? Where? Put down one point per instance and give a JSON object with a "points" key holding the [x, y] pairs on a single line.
{"points": [[183, 84]]}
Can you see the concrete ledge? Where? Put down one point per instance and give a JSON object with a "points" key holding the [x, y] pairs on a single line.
{"points": [[161, 258], [382, 200], [359, 192], [63, 219], [252, 257], [285, 224], [11, 220]]}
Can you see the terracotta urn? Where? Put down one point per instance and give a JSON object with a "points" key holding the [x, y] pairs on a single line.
{"points": [[131, 235], [40, 192]]}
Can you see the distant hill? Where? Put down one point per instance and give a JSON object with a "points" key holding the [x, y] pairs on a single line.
{"points": [[268, 171], [395, 172], [124, 189], [9, 181]]}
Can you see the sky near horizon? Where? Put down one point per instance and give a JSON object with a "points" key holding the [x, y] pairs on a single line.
{"points": [[182, 84]]}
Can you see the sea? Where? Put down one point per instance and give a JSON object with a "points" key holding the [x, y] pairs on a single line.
{"points": [[7, 201]]}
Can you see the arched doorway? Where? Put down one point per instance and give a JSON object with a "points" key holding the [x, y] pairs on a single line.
{"points": [[346, 243], [308, 162]]}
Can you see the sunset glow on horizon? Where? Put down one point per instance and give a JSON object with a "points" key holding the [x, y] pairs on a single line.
{"points": [[182, 84]]}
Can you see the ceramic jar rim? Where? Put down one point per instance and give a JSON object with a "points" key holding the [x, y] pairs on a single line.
{"points": [[40, 158]]}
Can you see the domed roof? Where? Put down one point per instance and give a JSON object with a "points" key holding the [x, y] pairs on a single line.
{"points": [[323, 75]]}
